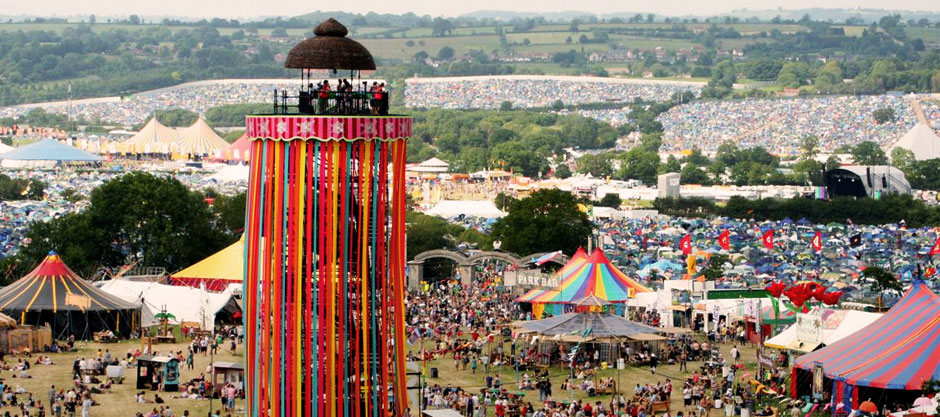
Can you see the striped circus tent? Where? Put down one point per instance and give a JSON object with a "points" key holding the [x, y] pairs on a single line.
{"points": [[200, 139], [539, 295], [598, 277], [52, 294], [584, 276], [154, 137], [898, 351]]}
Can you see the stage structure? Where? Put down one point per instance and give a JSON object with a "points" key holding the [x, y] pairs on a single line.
{"points": [[325, 242]]}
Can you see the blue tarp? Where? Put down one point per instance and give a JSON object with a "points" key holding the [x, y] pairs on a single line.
{"points": [[49, 150]]}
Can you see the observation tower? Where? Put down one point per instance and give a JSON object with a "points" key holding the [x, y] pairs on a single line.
{"points": [[325, 235]]}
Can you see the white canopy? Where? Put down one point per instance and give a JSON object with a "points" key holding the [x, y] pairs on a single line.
{"points": [[185, 303], [200, 139], [154, 137], [922, 141], [453, 208], [836, 325], [5, 148], [231, 173], [431, 165]]}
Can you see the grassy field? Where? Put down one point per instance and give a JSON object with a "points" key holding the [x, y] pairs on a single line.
{"points": [[931, 36], [397, 48], [628, 378], [119, 402]]}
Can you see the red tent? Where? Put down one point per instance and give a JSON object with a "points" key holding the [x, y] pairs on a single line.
{"points": [[240, 150], [899, 351]]}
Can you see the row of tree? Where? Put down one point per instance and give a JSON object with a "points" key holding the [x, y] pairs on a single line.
{"points": [[889, 209]]}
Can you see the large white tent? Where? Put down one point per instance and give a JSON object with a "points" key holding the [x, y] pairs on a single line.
{"points": [[922, 141], [154, 137], [185, 303], [453, 208], [200, 139], [835, 325], [431, 165]]}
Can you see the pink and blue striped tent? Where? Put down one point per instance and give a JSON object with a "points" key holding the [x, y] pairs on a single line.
{"points": [[897, 351], [544, 294], [595, 276]]}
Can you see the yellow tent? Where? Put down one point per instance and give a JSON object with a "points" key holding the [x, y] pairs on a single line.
{"points": [[154, 137], [200, 139], [217, 271]]}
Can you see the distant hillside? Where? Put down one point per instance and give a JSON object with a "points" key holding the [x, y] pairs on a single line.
{"points": [[834, 15]]}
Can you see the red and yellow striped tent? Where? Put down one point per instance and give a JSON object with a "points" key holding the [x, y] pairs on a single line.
{"points": [[53, 294]]}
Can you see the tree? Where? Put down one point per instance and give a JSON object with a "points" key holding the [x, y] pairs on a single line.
{"points": [[279, 32], [715, 269], [692, 174], [505, 106], [793, 74], [882, 280], [902, 159], [133, 19], [441, 27], [809, 147], [139, 217], [558, 105], [640, 164], [445, 53], [546, 221], [175, 117], [868, 153], [562, 171], [828, 76], [597, 165], [883, 115], [503, 201], [609, 200]]}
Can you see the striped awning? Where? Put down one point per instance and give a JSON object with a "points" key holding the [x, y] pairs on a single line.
{"points": [[897, 351], [200, 139]]}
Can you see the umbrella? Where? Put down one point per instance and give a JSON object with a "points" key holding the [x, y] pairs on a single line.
{"points": [[167, 316], [868, 407]]}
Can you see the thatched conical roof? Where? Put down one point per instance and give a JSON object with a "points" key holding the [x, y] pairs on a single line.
{"points": [[330, 49]]}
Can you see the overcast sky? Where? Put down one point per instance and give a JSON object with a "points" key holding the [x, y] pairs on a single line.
{"points": [[255, 8]]}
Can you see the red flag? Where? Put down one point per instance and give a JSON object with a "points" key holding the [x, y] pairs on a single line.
{"points": [[686, 244], [725, 240], [768, 239], [936, 248], [817, 241]]}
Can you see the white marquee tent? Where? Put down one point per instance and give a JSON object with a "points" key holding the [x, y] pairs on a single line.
{"points": [[836, 324], [185, 303], [452, 208]]}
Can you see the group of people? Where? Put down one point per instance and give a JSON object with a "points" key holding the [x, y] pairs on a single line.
{"points": [[343, 97]]}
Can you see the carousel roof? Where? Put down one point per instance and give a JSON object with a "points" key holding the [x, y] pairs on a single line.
{"points": [[330, 49], [601, 325]]}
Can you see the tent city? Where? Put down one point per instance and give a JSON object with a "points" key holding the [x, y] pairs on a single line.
{"points": [[521, 209]]}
